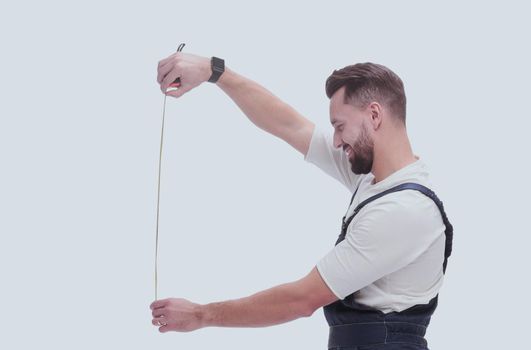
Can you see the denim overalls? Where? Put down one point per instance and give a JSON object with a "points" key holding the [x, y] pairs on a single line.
{"points": [[357, 326]]}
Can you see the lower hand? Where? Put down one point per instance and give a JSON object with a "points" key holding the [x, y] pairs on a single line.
{"points": [[176, 314]]}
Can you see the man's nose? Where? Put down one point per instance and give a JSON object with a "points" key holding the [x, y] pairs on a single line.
{"points": [[337, 142]]}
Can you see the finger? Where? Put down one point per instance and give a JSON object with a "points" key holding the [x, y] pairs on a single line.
{"points": [[164, 329], [158, 322], [170, 78], [158, 304], [179, 92], [158, 312], [163, 70], [167, 59]]}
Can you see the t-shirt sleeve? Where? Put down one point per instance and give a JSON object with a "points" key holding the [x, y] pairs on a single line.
{"points": [[387, 236], [331, 160]]}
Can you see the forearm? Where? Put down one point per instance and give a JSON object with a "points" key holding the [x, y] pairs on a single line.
{"points": [[273, 306], [263, 108]]}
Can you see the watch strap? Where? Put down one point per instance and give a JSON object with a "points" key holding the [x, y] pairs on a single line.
{"points": [[218, 67]]}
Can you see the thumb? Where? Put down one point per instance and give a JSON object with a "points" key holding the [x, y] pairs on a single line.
{"points": [[179, 92]]}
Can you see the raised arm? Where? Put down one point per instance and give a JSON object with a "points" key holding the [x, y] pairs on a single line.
{"points": [[267, 111], [263, 108]]}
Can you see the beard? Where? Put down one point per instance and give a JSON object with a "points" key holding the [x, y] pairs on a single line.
{"points": [[363, 153]]}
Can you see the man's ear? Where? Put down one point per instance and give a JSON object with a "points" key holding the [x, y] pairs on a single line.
{"points": [[376, 115]]}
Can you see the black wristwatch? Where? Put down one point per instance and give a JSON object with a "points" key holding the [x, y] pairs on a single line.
{"points": [[218, 67]]}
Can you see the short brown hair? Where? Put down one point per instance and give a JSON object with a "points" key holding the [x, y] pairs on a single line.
{"points": [[367, 82]]}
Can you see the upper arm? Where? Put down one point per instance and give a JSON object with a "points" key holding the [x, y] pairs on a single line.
{"points": [[314, 291], [386, 237], [299, 134]]}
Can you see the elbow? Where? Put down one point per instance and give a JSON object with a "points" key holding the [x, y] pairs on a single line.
{"points": [[308, 309], [309, 313]]}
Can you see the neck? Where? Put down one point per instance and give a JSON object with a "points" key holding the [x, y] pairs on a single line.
{"points": [[392, 155]]}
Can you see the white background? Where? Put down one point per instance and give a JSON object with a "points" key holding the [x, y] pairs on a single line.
{"points": [[240, 210]]}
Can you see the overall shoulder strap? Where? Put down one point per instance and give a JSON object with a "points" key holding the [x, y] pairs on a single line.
{"points": [[426, 191]]}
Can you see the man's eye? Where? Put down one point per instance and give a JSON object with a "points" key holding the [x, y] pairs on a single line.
{"points": [[340, 128]]}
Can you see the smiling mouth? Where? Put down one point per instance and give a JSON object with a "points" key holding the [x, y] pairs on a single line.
{"points": [[349, 152]]}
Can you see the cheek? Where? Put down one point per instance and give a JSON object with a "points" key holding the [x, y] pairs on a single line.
{"points": [[349, 139], [346, 138]]}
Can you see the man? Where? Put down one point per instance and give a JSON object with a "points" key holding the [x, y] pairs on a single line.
{"points": [[379, 285]]}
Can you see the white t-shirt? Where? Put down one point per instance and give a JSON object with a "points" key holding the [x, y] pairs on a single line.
{"points": [[392, 255]]}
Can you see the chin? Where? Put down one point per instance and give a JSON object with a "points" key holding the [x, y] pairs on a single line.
{"points": [[360, 172], [360, 169]]}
